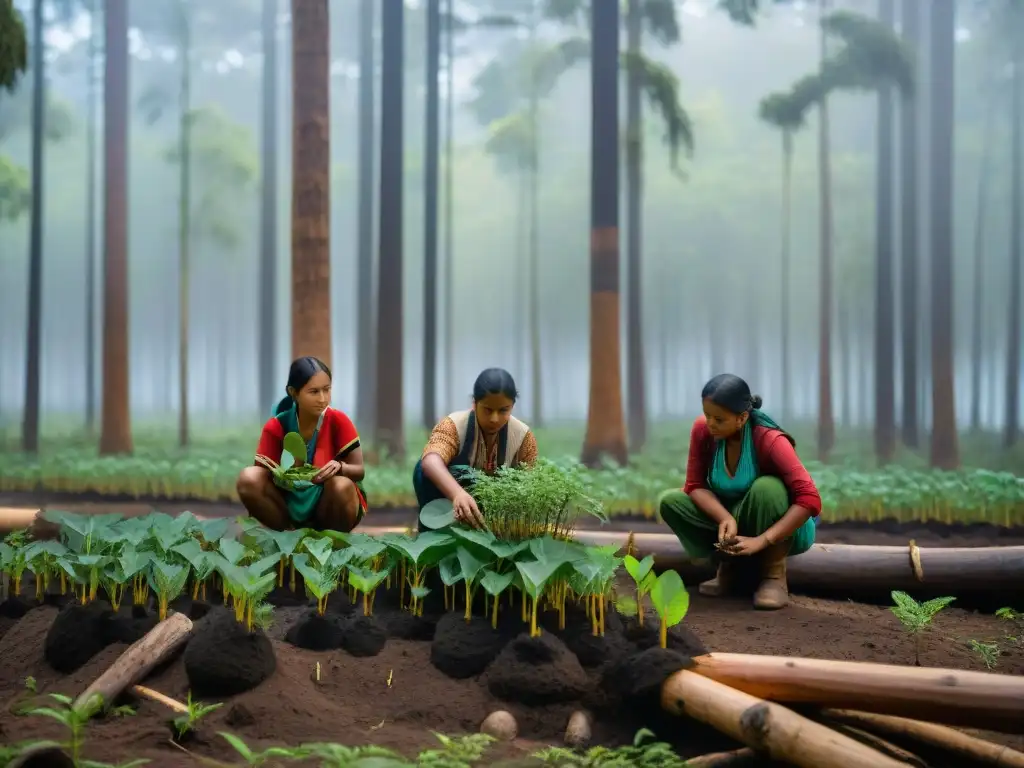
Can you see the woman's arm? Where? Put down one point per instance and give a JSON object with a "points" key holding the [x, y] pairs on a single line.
{"points": [[350, 455], [527, 455], [806, 501], [696, 486], [352, 466], [442, 447]]}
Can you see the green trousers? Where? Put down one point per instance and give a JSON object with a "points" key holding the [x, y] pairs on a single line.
{"points": [[762, 506]]}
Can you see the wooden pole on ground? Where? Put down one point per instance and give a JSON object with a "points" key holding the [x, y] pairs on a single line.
{"points": [[138, 660], [953, 697], [172, 704], [956, 744], [737, 758], [766, 728]]}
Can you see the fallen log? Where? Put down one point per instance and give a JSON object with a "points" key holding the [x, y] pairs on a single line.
{"points": [[766, 728], [952, 697], [961, 747], [737, 758], [876, 742], [138, 660]]}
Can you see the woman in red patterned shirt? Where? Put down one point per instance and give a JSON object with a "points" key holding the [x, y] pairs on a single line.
{"points": [[746, 492], [334, 499], [484, 437]]}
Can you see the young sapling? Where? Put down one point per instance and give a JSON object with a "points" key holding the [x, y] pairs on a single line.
{"points": [[642, 573], [186, 723], [671, 601], [916, 617], [987, 652]]}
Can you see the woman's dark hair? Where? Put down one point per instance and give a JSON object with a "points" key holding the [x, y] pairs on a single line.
{"points": [[730, 392], [301, 371], [495, 381]]}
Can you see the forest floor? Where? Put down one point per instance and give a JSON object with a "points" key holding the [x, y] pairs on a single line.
{"points": [[397, 698]]}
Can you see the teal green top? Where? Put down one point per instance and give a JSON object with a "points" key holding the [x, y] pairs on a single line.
{"points": [[731, 488], [301, 501]]}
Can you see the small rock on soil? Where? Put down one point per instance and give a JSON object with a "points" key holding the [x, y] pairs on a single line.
{"points": [[464, 649], [363, 636], [317, 633], [535, 671], [223, 659], [77, 634]]}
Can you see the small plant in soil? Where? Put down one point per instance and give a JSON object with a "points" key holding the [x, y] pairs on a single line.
{"points": [[185, 724], [645, 752], [254, 759], [988, 653], [74, 719], [455, 751], [671, 602], [1017, 621], [642, 573], [917, 617]]}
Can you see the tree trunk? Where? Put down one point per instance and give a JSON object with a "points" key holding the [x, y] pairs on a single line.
{"points": [[606, 428], [826, 424], [885, 321], [785, 258], [430, 192], [90, 220], [1012, 418], [311, 180], [184, 221], [533, 241], [269, 377], [911, 28], [635, 366], [977, 288], [944, 447], [115, 429], [33, 347], [844, 334], [449, 232], [389, 300], [365, 319]]}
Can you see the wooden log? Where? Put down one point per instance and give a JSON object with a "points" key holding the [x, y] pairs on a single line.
{"points": [[159, 698], [877, 742], [766, 728], [952, 697], [16, 518], [737, 758], [957, 745], [138, 660]]}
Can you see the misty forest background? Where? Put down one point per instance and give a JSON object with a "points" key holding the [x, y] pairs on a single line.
{"points": [[908, 196]]}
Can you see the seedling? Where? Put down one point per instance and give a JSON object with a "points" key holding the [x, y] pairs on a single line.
{"points": [[297, 476], [917, 617], [1017, 619], [74, 720], [671, 601], [185, 724], [987, 652], [642, 572], [254, 759], [645, 752]]}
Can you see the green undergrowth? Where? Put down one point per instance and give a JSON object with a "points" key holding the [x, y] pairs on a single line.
{"points": [[852, 489], [470, 751]]}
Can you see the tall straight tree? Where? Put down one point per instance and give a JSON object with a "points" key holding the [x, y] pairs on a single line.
{"points": [[116, 425], [606, 427], [432, 150], [911, 29], [636, 389], [945, 452], [389, 421], [269, 377], [311, 179], [826, 421], [30, 425], [365, 321], [1011, 426], [885, 330], [92, 101]]}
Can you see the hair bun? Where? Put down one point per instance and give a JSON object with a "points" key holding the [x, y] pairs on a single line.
{"points": [[756, 401]]}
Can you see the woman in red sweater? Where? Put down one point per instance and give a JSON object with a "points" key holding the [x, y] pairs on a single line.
{"points": [[746, 493], [334, 499]]}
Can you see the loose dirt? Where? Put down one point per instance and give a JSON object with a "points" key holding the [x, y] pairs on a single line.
{"points": [[395, 698]]}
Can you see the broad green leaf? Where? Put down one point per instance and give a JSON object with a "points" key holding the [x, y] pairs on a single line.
{"points": [[496, 583], [296, 446], [670, 598], [437, 514]]}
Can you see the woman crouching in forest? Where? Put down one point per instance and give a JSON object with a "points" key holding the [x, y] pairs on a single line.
{"points": [[485, 437], [333, 499], [746, 492]]}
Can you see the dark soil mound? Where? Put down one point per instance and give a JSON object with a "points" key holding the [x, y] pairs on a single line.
{"points": [[339, 603], [680, 638], [537, 670], [591, 650], [58, 600], [77, 634], [363, 636], [223, 659], [462, 649], [317, 633], [638, 678], [402, 625], [130, 624], [194, 609], [283, 597], [43, 757], [15, 607]]}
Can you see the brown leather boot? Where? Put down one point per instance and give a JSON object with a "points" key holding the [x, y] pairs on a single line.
{"points": [[721, 584], [773, 592]]}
